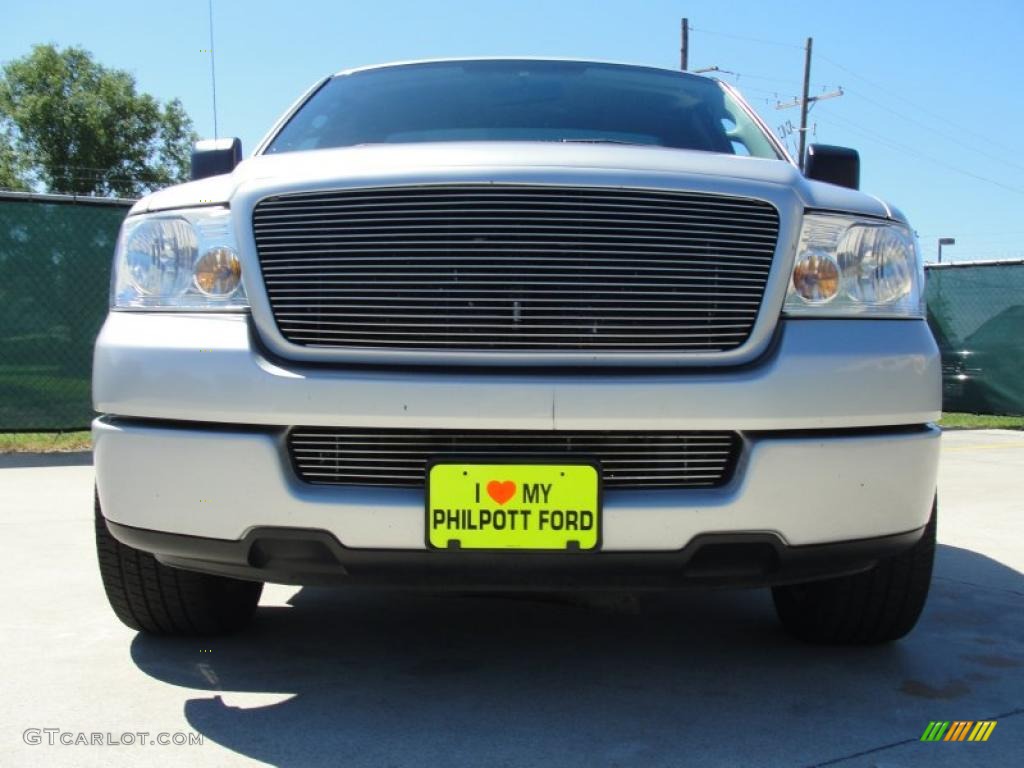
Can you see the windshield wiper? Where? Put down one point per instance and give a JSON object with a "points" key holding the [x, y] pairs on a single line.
{"points": [[607, 141]]}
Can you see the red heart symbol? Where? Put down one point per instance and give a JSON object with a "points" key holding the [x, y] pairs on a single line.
{"points": [[501, 492]]}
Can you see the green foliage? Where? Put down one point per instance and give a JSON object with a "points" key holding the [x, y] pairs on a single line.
{"points": [[13, 171], [44, 442], [980, 421], [79, 127]]}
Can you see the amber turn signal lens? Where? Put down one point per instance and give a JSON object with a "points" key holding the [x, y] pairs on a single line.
{"points": [[816, 277], [218, 273]]}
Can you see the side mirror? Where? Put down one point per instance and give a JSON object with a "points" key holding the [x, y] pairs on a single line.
{"points": [[212, 157], [835, 165]]}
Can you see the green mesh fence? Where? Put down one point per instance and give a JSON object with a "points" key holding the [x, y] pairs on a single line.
{"points": [[976, 312], [55, 272], [55, 258]]}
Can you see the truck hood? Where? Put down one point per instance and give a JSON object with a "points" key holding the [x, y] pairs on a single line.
{"points": [[503, 161]]}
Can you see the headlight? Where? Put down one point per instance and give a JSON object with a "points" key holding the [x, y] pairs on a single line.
{"points": [[218, 273], [851, 266], [179, 260]]}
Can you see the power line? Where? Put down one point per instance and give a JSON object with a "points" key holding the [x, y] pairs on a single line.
{"points": [[988, 138], [759, 40], [1002, 159], [903, 99], [927, 126], [872, 135]]}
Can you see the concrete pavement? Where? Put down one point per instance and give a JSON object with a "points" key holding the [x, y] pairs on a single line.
{"points": [[398, 679]]}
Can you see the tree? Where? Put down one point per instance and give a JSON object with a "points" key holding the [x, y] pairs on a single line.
{"points": [[13, 173], [79, 127]]}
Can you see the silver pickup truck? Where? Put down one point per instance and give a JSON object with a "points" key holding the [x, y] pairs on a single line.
{"points": [[517, 324]]}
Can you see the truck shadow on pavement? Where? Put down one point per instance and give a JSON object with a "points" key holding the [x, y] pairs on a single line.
{"points": [[380, 678]]}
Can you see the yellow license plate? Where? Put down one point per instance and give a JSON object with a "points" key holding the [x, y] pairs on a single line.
{"points": [[513, 506]]}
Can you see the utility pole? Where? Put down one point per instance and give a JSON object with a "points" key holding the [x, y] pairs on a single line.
{"points": [[213, 73], [806, 101], [684, 48]]}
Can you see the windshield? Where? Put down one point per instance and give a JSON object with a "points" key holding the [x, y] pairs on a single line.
{"points": [[523, 101]]}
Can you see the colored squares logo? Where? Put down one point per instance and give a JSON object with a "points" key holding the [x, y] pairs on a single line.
{"points": [[958, 730]]}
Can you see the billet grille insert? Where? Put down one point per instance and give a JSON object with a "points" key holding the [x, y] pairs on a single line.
{"points": [[398, 457], [515, 268]]}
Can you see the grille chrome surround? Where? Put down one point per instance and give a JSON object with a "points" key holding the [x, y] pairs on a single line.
{"points": [[515, 267], [398, 457]]}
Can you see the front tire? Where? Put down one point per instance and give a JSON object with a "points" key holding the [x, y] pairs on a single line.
{"points": [[876, 606], [151, 597]]}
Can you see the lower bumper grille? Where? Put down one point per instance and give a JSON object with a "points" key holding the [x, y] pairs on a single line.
{"points": [[398, 457]]}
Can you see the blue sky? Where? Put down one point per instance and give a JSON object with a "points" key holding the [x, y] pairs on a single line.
{"points": [[933, 94]]}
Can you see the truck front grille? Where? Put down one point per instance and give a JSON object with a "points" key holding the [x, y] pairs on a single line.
{"points": [[515, 267], [398, 457]]}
